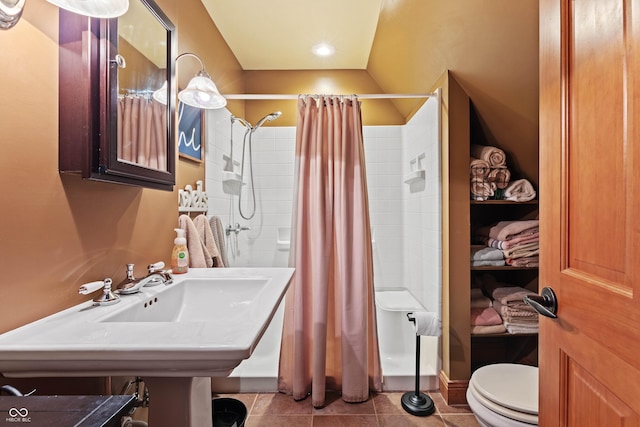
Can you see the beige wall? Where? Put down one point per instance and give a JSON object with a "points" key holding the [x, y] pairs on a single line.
{"points": [[58, 231]]}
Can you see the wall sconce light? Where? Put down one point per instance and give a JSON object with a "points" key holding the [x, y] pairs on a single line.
{"points": [[94, 8], [201, 92], [11, 10]]}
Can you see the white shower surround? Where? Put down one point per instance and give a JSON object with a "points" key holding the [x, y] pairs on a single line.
{"points": [[406, 225]]}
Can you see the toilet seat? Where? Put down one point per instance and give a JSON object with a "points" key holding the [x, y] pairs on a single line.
{"points": [[506, 390], [488, 418], [528, 419]]}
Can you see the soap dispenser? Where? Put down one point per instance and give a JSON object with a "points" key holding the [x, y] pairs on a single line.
{"points": [[180, 253]]}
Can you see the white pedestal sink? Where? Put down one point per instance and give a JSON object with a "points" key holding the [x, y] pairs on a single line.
{"points": [[175, 337]]}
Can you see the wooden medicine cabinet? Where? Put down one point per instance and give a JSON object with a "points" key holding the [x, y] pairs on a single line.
{"points": [[111, 127]]}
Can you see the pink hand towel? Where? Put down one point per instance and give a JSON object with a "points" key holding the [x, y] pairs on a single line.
{"points": [[504, 230], [206, 236], [485, 317], [198, 255]]}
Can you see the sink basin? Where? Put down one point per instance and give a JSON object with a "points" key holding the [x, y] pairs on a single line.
{"points": [[231, 300], [203, 324], [176, 337]]}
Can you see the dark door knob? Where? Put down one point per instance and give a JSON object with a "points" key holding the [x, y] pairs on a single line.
{"points": [[545, 303]]}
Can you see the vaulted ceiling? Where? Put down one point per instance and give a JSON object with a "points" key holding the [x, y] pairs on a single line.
{"points": [[391, 46]]}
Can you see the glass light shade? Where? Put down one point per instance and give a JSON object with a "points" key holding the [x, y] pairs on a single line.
{"points": [[94, 8], [201, 92], [10, 12], [160, 95]]}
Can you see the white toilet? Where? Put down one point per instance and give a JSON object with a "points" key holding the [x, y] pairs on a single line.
{"points": [[504, 395]]}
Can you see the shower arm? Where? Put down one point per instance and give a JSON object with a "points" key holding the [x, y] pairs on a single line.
{"points": [[241, 120]]}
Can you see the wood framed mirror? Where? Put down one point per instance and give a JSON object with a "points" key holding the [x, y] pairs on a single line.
{"points": [[111, 127]]}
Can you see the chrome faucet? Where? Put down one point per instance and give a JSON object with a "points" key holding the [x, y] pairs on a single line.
{"points": [[155, 276], [237, 229]]}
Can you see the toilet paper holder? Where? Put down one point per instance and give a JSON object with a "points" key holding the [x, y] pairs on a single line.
{"points": [[416, 402]]}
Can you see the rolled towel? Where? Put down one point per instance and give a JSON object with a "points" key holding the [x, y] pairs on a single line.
{"points": [[482, 189], [520, 190], [500, 177], [427, 323], [493, 155], [479, 168]]}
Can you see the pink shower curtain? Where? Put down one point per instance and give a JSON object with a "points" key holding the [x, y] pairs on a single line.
{"points": [[330, 336], [142, 136]]}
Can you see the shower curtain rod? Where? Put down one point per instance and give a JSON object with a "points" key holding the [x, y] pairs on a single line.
{"points": [[249, 96]]}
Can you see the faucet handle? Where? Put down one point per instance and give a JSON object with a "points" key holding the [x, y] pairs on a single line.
{"points": [[87, 288], [152, 268], [107, 297]]}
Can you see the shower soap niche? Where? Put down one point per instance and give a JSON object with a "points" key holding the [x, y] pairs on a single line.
{"points": [[231, 182], [416, 176]]}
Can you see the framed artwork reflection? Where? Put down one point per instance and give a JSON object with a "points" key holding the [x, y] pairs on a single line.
{"points": [[190, 132]]}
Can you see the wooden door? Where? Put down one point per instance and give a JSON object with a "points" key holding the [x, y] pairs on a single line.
{"points": [[590, 211]]}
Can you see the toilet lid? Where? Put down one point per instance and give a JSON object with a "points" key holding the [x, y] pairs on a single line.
{"points": [[510, 385], [486, 405]]}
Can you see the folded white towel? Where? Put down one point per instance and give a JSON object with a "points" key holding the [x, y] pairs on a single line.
{"points": [[520, 190], [490, 262], [486, 254]]}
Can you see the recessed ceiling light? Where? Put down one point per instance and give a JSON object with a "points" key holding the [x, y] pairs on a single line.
{"points": [[323, 49]]}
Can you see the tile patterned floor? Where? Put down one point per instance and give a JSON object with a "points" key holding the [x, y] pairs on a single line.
{"points": [[382, 410]]}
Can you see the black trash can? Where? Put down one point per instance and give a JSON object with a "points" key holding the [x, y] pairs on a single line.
{"points": [[228, 412]]}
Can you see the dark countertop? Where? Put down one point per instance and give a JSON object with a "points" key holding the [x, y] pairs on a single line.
{"points": [[64, 411]]}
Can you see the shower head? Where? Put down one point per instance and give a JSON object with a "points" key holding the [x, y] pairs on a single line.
{"points": [[267, 118]]}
